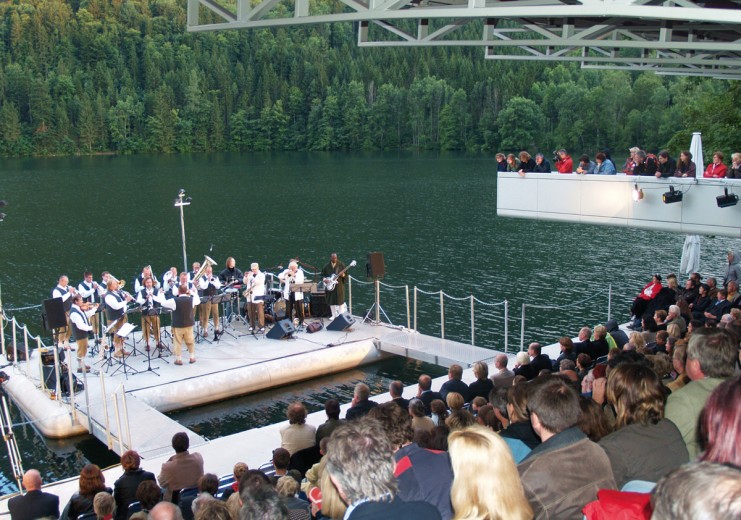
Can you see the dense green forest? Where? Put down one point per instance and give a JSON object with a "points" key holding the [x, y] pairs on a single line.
{"points": [[92, 76]]}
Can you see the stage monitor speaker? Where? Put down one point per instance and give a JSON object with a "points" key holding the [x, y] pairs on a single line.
{"points": [[55, 316], [282, 329], [342, 322], [375, 267]]}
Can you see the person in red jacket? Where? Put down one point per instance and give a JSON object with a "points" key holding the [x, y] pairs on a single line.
{"points": [[648, 293], [716, 169], [564, 163]]}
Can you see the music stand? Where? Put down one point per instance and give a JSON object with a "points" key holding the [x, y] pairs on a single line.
{"points": [[124, 332], [163, 331]]}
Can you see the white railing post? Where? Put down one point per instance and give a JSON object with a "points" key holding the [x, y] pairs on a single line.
{"points": [[109, 442], [58, 377], [71, 390], [415, 308], [609, 303], [522, 330], [126, 417], [442, 316], [118, 420], [506, 325], [87, 402], [15, 343], [473, 333], [378, 301], [2, 331], [409, 318], [349, 295], [41, 364], [25, 346]]}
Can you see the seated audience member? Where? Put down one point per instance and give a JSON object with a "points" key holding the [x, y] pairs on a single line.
{"points": [[360, 464], [666, 165], [734, 172], [124, 489], [661, 363], [685, 166], [486, 483], [35, 503], [420, 421], [618, 334], [501, 162], [567, 352], [213, 510], [538, 361], [711, 357], [541, 164], [679, 360], [640, 303], [281, 460], [251, 479], [481, 412], [297, 435], [720, 307], [513, 165], [503, 376], [483, 385], [567, 365], [149, 494], [263, 502], [527, 164], [604, 166], [476, 404], [583, 362], [91, 483], [734, 297], [598, 346], [698, 491], [554, 414], [460, 419], [716, 169], [208, 486], [644, 445], [660, 344], [103, 506], [702, 303], [455, 384], [165, 511], [519, 434], [314, 473], [182, 470], [720, 428], [439, 438], [288, 488], [396, 388], [660, 319], [592, 421], [564, 162], [455, 401], [421, 474], [425, 393], [585, 165], [361, 405], [674, 316], [582, 343], [439, 412], [332, 409], [523, 368], [635, 341]]}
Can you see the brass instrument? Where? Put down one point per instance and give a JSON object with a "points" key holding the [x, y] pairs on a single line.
{"points": [[207, 260]]}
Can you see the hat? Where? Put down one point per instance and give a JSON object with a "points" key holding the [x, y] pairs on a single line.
{"points": [[634, 149]]}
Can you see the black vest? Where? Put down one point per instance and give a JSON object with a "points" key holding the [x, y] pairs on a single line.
{"points": [[149, 306], [112, 314], [94, 297], [184, 314], [79, 334], [68, 302]]}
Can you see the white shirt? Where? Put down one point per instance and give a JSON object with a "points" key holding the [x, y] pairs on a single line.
{"points": [[169, 303], [58, 292], [203, 282], [255, 283], [79, 322], [298, 277]]}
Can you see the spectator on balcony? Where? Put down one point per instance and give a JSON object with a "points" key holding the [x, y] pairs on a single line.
{"points": [[564, 162], [666, 165], [716, 169], [685, 166], [527, 164], [585, 165], [604, 165], [541, 164]]}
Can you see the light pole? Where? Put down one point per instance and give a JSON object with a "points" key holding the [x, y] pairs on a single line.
{"points": [[179, 203]]}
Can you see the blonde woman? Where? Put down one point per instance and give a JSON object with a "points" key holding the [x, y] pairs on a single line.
{"points": [[486, 485]]}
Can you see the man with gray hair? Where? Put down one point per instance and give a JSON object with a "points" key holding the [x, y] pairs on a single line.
{"points": [[675, 316], [711, 355], [361, 405], [503, 376], [685, 493], [35, 503], [165, 511], [361, 465]]}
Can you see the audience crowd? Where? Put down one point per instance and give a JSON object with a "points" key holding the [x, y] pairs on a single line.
{"points": [[639, 162], [617, 425]]}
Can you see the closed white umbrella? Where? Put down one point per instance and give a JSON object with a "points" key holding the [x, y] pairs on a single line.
{"points": [[696, 151], [690, 255]]}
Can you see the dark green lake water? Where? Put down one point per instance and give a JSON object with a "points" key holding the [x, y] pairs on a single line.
{"points": [[432, 215]]}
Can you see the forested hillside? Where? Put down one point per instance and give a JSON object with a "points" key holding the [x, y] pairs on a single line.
{"points": [[124, 76]]}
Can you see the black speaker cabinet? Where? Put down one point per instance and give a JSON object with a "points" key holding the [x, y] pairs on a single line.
{"points": [[54, 312], [375, 267], [342, 322], [282, 329]]}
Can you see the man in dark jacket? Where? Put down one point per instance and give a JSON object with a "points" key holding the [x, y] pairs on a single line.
{"points": [[35, 503], [554, 414], [360, 403], [425, 393], [395, 390], [538, 361], [124, 490], [455, 383], [620, 337]]}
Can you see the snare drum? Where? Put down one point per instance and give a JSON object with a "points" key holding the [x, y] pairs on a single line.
{"points": [[279, 310]]}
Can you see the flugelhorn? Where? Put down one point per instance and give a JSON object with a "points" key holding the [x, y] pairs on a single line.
{"points": [[207, 260]]}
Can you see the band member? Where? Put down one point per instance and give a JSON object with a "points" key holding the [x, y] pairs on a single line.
{"points": [[184, 282], [170, 281], [115, 311], [150, 299], [90, 292], [183, 320], [210, 286], [65, 292], [231, 274], [336, 297], [255, 295], [194, 271], [146, 273], [79, 316], [293, 275]]}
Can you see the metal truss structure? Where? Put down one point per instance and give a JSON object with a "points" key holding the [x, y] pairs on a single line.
{"points": [[679, 37]]}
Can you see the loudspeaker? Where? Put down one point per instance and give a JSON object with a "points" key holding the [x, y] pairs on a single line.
{"points": [[54, 312], [342, 322], [282, 329], [319, 307], [374, 267]]}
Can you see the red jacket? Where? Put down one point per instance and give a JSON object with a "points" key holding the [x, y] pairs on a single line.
{"points": [[565, 165], [715, 171], [650, 291]]}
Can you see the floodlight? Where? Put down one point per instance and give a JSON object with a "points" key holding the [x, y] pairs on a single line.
{"points": [[672, 196], [727, 200]]}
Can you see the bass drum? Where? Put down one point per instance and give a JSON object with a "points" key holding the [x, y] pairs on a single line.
{"points": [[278, 310]]}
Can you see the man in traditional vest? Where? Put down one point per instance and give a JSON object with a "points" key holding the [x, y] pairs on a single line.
{"points": [[81, 326], [90, 292], [183, 320], [150, 299], [255, 293], [115, 310], [210, 286], [65, 292]]}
